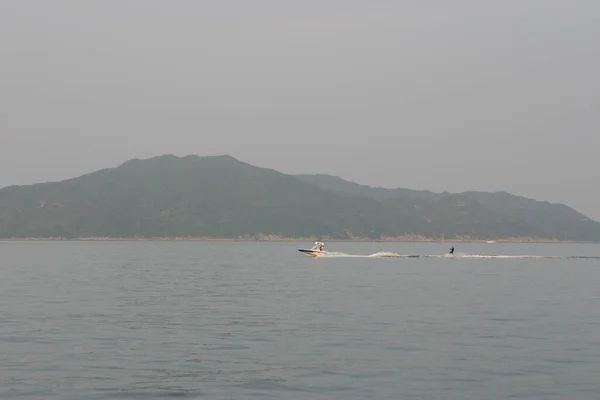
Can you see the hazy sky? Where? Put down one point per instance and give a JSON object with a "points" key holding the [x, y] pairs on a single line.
{"points": [[446, 95]]}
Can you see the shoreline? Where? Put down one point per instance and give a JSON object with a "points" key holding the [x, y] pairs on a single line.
{"points": [[268, 238]]}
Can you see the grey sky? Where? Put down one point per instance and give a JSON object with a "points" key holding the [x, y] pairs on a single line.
{"points": [[460, 95]]}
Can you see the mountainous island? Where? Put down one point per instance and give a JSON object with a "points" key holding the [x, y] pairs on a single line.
{"points": [[222, 197]]}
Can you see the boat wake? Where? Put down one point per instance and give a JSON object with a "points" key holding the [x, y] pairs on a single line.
{"points": [[385, 254], [317, 251]]}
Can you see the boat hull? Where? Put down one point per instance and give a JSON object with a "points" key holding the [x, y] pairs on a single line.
{"points": [[309, 253]]}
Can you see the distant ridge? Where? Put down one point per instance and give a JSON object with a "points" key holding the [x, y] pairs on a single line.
{"points": [[549, 220], [222, 197]]}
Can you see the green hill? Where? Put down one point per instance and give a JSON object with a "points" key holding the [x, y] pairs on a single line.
{"points": [[548, 220], [221, 197]]}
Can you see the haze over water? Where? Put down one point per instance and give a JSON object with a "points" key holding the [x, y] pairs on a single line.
{"points": [[153, 320]]}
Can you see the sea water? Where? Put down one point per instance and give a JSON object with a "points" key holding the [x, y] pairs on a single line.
{"points": [[162, 320]]}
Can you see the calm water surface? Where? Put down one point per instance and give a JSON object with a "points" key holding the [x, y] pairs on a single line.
{"points": [[157, 320]]}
